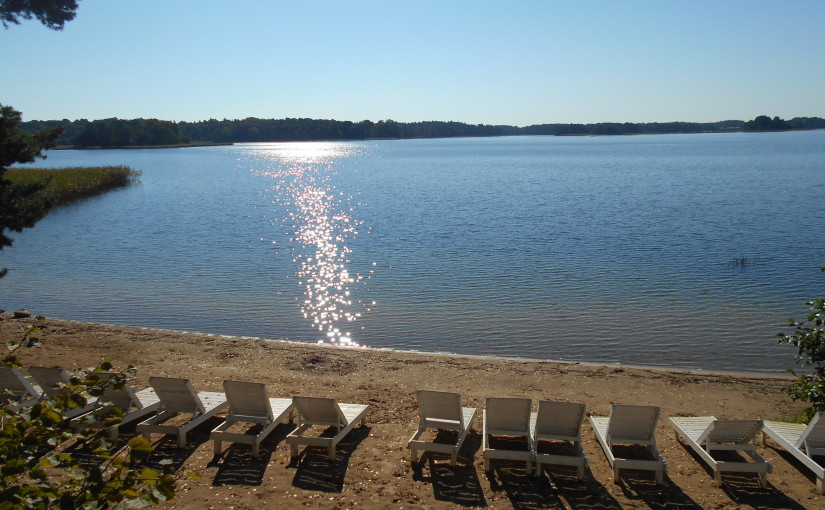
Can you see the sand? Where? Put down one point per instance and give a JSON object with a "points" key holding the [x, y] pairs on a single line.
{"points": [[372, 469]]}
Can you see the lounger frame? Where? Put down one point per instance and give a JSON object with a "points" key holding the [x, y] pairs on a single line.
{"points": [[177, 396], [440, 410], [134, 405], [559, 421], [507, 417], [250, 403], [51, 381], [630, 425], [803, 441], [323, 412], [706, 434], [18, 391]]}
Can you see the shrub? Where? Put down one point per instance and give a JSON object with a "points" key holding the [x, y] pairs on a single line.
{"points": [[36, 470], [809, 339]]}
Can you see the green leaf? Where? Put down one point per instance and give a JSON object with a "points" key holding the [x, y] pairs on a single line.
{"points": [[140, 444], [149, 476]]}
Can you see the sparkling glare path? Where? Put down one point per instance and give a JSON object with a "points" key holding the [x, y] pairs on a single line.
{"points": [[317, 222]]}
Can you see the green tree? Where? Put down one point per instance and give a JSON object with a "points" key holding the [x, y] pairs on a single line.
{"points": [[19, 208], [52, 13], [809, 338]]}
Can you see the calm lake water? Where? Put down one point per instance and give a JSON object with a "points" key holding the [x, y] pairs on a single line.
{"points": [[684, 251]]}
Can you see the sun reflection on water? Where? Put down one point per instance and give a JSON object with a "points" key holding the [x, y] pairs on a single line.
{"points": [[318, 224]]}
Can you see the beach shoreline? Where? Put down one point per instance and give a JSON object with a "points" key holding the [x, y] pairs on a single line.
{"points": [[681, 370], [373, 469]]}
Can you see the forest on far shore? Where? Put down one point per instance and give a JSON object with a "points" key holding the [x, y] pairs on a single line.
{"points": [[153, 132]]}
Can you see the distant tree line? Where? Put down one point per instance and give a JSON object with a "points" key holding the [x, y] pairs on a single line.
{"points": [[765, 123], [629, 128], [148, 132]]}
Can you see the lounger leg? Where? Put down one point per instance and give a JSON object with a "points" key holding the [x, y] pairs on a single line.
{"points": [[763, 480], [537, 471], [218, 445], [487, 465], [820, 486], [453, 459], [660, 476], [718, 477], [332, 453], [529, 468], [181, 439], [580, 472], [255, 449], [293, 450], [413, 455], [615, 475]]}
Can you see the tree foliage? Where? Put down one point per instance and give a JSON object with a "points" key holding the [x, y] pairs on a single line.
{"points": [[19, 206], [808, 337], [142, 132], [37, 471], [765, 123], [129, 133], [52, 13]]}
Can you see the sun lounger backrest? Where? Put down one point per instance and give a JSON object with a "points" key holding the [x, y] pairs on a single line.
{"points": [[249, 400], [176, 395], [632, 424], [319, 411], [13, 381], [731, 431], [814, 436], [562, 419], [122, 398], [49, 379], [508, 415], [440, 409]]}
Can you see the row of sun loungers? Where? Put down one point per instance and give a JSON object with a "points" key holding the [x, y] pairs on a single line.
{"points": [[549, 436], [178, 409], [628, 428]]}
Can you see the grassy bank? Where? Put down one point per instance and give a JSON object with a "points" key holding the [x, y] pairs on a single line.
{"points": [[66, 185], [169, 146]]}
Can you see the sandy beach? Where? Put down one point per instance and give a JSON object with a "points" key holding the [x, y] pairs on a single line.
{"points": [[372, 469]]}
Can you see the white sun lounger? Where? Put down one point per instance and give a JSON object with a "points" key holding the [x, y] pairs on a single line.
{"points": [[705, 434], [133, 404], [323, 412], [507, 417], [630, 425], [802, 441], [17, 390], [442, 411], [51, 381], [559, 421], [250, 403], [178, 397]]}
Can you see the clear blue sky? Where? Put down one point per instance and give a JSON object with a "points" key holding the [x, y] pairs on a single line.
{"points": [[491, 62]]}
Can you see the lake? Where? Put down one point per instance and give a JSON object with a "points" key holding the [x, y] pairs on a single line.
{"points": [[687, 251]]}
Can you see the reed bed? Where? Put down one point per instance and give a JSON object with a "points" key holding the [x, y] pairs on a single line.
{"points": [[65, 185]]}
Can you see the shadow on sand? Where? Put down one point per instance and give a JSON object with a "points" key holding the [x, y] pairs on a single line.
{"points": [[168, 457], [556, 487], [457, 484], [743, 488], [237, 466], [641, 485], [314, 471]]}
